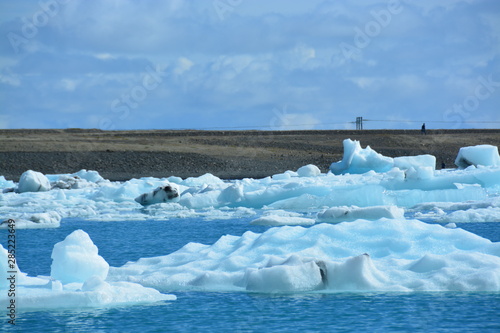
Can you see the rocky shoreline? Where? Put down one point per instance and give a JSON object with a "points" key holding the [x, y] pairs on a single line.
{"points": [[122, 155]]}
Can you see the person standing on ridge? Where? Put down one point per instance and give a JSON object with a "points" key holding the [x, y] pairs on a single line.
{"points": [[423, 129]]}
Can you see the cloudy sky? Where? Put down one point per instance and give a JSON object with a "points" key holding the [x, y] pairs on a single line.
{"points": [[243, 64]]}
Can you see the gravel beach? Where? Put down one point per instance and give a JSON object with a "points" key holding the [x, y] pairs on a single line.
{"points": [[122, 155]]}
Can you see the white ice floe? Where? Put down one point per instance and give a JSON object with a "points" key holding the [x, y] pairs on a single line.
{"points": [[360, 160], [416, 162], [491, 214], [78, 280], [33, 181], [364, 179], [381, 255], [352, 213], [459, 212], [485, 155], [76, 259], [278, 218], [49, 219], [309, 170]]}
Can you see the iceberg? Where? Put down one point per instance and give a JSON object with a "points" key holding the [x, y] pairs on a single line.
{"points": [[76, 259], [33, 181], [78, 280], [485, 155], [309, 170], [382, 255], [416, 162], [353, 213], [49, 219], [358, 160]]}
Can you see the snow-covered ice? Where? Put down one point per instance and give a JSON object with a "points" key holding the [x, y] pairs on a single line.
{"points": [[280, 217], [33, 181], [363, 178], [381, 255], [50, 219], [352, 213], [78, 280], [76, 259], [486, 155], [360, 160]]}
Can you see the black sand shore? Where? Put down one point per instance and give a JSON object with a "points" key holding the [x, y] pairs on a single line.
{"points": [[121, 155]]}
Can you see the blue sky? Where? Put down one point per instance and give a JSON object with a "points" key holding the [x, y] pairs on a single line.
{"points": [[249, 64]]}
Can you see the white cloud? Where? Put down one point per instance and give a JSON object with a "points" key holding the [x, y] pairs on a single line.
{"points": [[183, 65], [104, 56], [68, 84], [11, 79]]}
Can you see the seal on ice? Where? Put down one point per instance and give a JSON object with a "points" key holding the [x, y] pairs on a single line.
{"points": [[166, 193]]}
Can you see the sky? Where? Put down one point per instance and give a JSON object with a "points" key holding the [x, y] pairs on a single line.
{"points": [[249, 64]]}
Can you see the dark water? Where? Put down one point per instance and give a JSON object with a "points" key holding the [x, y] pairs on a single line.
{"points": [[119, 242]]}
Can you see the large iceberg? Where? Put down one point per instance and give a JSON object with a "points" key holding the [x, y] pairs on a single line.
{"points": [[76, 259], [357, 160], [78, 280], [381, 255]]}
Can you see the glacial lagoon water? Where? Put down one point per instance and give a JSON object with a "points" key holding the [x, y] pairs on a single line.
{"points": [[122, 241]]}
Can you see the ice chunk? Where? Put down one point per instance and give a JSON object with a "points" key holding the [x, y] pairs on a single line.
{"points": [[165, 193], [39, 293], [205, 179], [309, 170], [407, 162], [83, 271], [291, 275], [232, 194], [277, 220], [356, 273], [80, 179], [357, 160], [66, 182], [485, 155], [7, 264], [6, 184], [352, 213], [396, 255], [33, 181], [285, 175], [46, 218], [49, 219], [491, 214], [90, 175], [76, 259]]}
